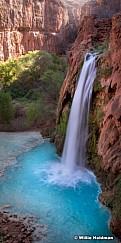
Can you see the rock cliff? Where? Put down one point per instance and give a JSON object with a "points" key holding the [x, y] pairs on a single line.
{"points": [[28, 25], [104, 153], [109, 145], [101, 8]]}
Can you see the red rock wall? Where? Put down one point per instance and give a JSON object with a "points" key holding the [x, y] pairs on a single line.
{"points": [[108, 168], [28, 25], [101, 8], [31, 25], [109, 146]]}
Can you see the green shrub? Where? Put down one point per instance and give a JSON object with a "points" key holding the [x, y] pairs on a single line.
{"points": [[102, 47], [16, 90], [32, 114], [36, 111], [6, 108], [33, 94], [9, 71]]}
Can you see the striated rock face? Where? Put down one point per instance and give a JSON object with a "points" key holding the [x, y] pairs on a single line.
{"points": [[105, 117], [109, 145], [28, 25]]}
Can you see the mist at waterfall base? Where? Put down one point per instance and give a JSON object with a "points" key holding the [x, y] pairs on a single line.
{"points": [[60, 192]]}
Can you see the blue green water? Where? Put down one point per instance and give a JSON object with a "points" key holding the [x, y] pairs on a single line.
{"points": [[66, 210]]}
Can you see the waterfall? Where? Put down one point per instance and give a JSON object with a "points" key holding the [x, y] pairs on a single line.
{"points": [[71, 168], [74, 152]]}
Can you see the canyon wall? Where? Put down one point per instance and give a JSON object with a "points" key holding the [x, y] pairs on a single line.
{"points": [[109, 144], [101, 8], [104, 153], [28, 25]]}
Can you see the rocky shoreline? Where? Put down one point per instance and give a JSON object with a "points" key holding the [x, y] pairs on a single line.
{"points": [[20, 228]]}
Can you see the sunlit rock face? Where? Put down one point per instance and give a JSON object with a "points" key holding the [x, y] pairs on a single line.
{"points": [[28, 25]]}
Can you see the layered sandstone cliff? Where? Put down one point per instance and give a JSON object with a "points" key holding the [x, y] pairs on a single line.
{"points": [[104, 146], [28, 25], [33, 25]]}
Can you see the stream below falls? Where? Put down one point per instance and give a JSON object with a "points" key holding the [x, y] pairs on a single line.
{"points": [[67, 209]]}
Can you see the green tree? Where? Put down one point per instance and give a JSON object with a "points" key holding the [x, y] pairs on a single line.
{"points": [[8, 71]]}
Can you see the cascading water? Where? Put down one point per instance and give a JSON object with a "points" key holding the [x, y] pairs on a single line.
{"points": [[72, 169], [74, 152]]}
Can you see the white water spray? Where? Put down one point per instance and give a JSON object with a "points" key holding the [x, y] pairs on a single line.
{"points": [[74, 152]]}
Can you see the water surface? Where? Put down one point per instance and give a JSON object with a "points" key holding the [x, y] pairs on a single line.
{"points": [[65, 210]]}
